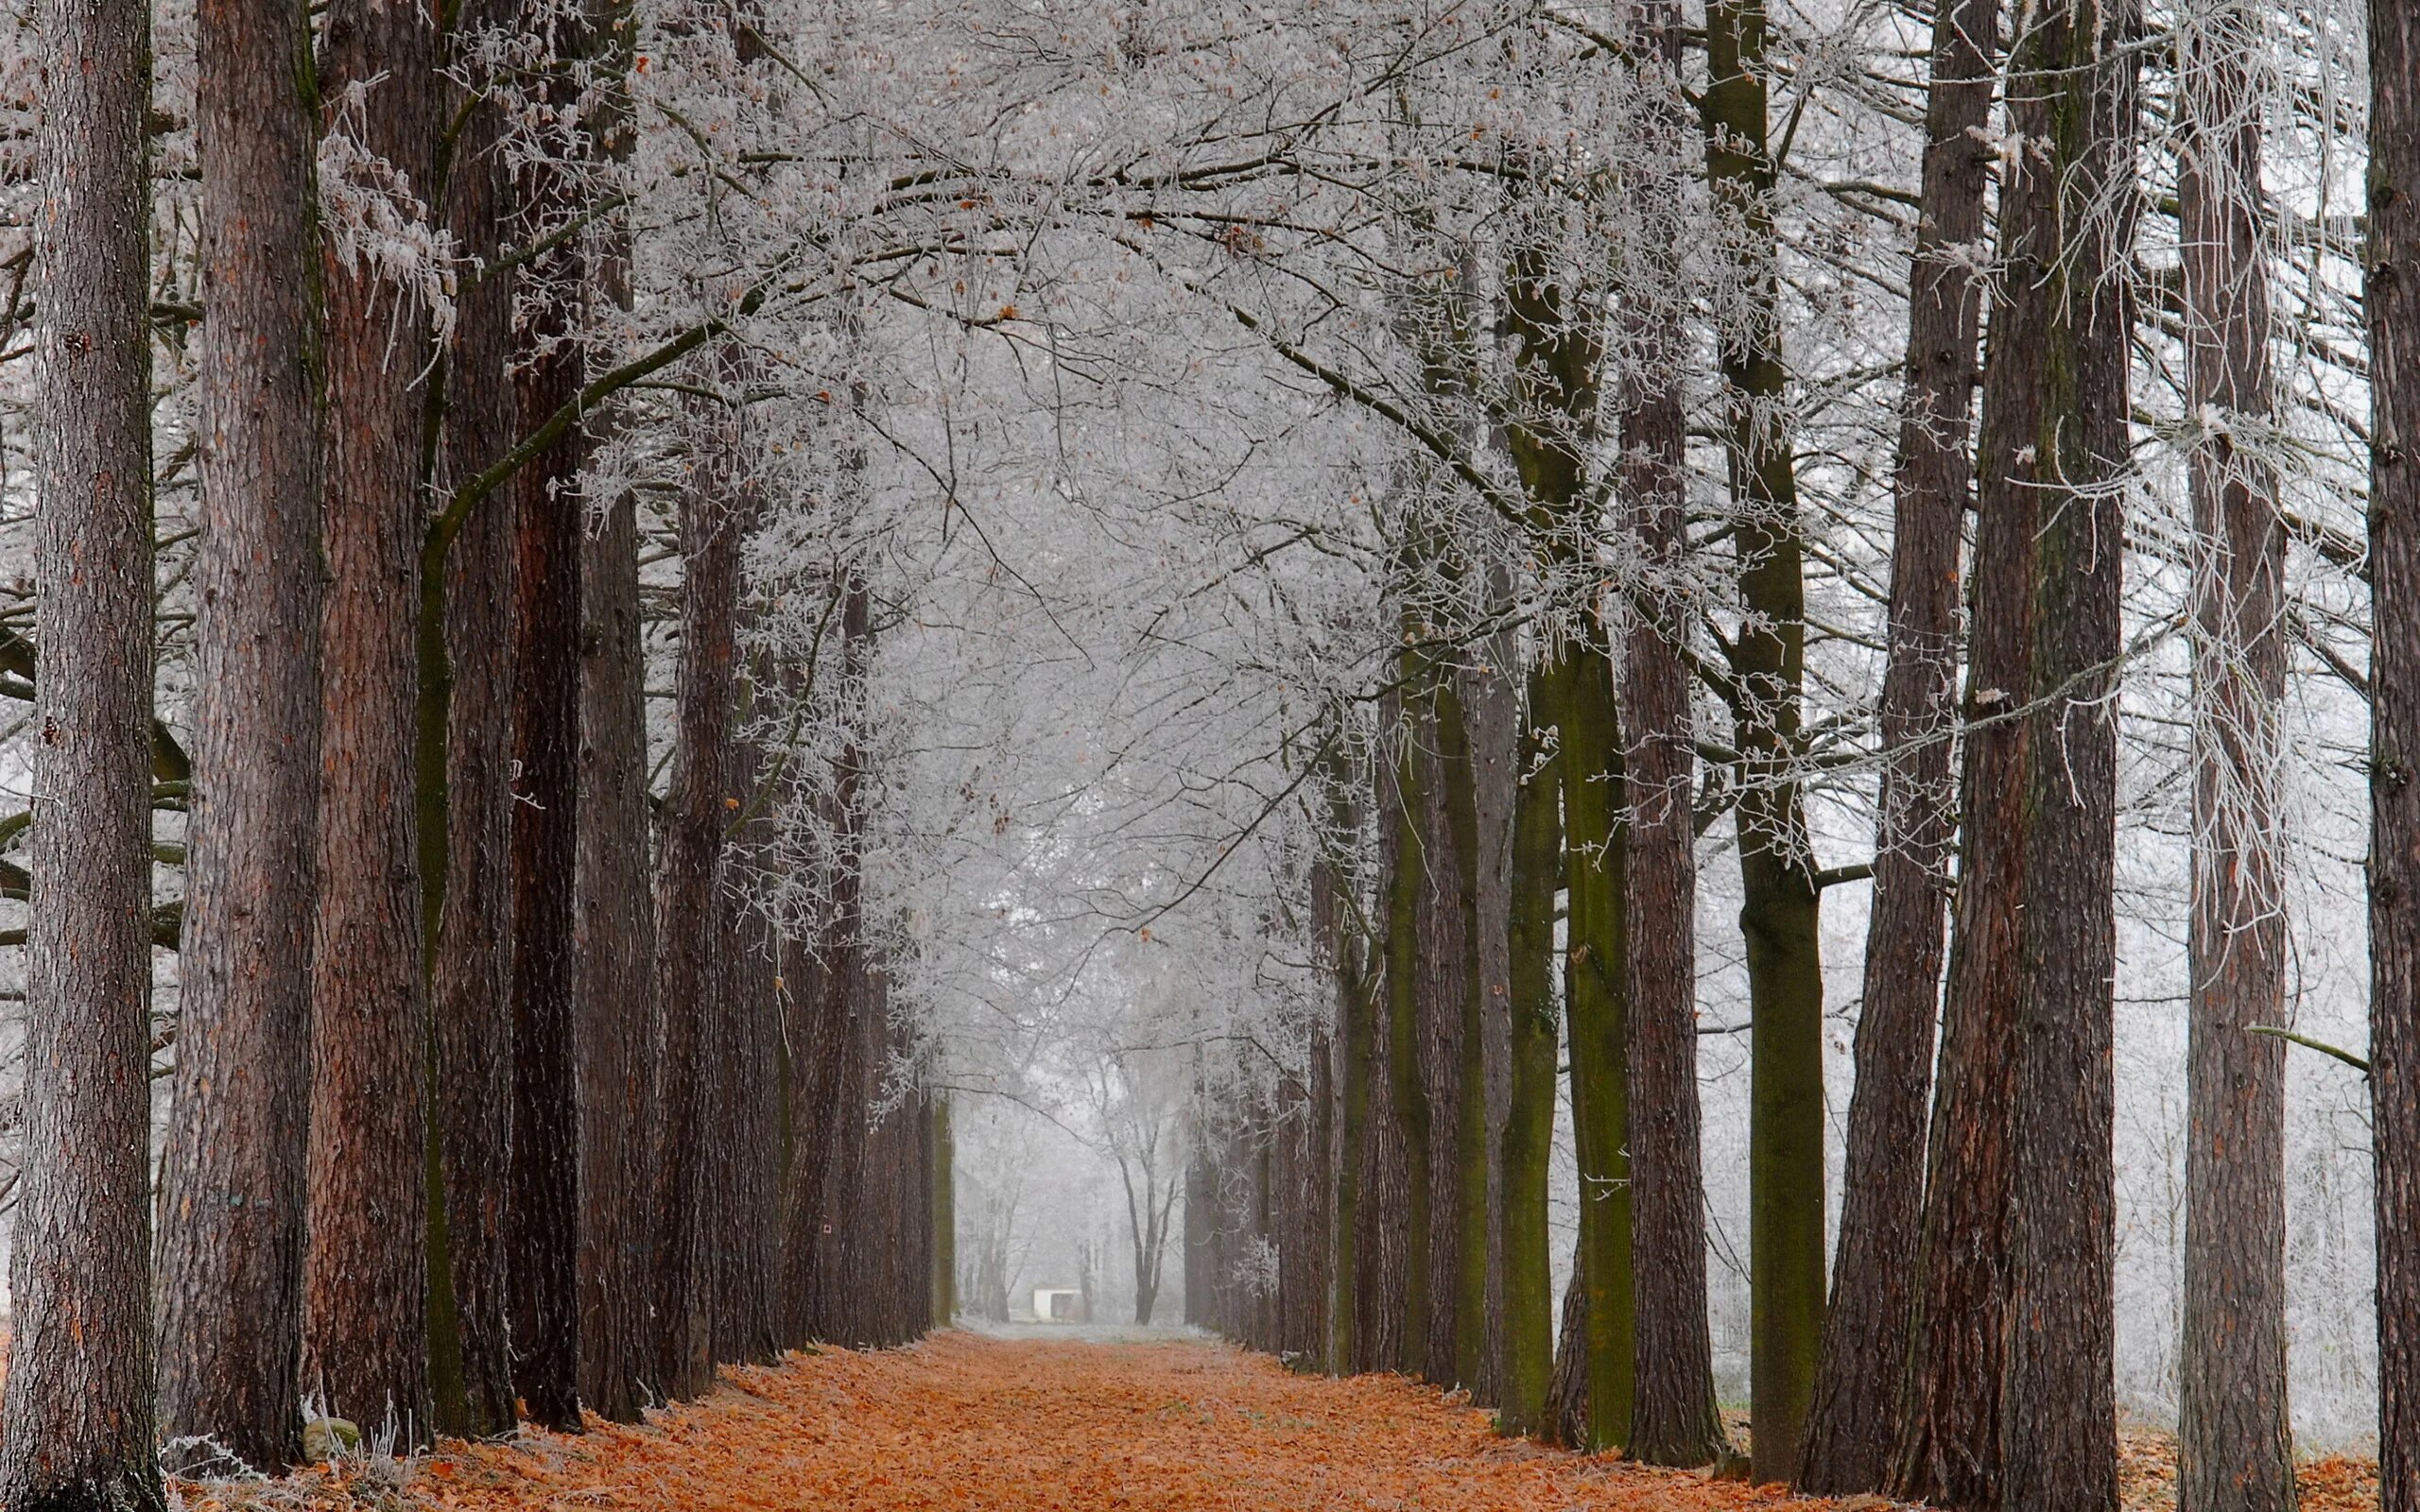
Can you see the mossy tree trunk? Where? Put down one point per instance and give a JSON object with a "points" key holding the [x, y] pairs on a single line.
{"points": [[1779, 912], [1527, 1148]]}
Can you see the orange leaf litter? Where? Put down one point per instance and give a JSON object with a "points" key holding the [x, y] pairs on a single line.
{"points": [[964, 1421]]}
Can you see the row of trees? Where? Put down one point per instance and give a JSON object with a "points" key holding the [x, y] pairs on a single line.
{"points": [[1500, 860], [1298, 555], [507, 1066]]}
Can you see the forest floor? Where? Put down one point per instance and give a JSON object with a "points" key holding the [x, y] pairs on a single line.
{"points": [[1023, 1424]]}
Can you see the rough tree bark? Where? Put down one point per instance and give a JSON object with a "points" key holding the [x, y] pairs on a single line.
{"points": [[365, 1330], [2393, 306], [1353, 1049], [231, 1178], [548, 529], [2235, 1445], [688, 875], [1950, 1448], [466, 808], [1458, 1317], [1410, 856], [614, 946], [1673, 1416], [2067, 219], [827, 1118], [76, 1427], [1853, 1424], [747, 1073], [1567, 1388], [613, 938]]}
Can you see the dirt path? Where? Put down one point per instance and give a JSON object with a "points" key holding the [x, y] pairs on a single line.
{"points": [[1023, 1424], [963, 1421]]}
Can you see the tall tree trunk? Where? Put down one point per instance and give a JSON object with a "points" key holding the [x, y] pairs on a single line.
{"points": [[1353, 1049], [76, 1428], [1673, 1416], [1854, 1423], [1550, 435], [1408, 857], [466, 811], [746, 1078], [688, 878], [2067, 223], [1383, 1199], [828, 1117], [366, 1278], [1673, 1419], [1444, 983], [2391, 294], [1779, 912], [1950, 1450], [548, 521], [231, 1179], [2235, 1445], [1596, 997], [944, 1218], [1466, 1192], [612, 924], [1528, 1144], [614, 953]]}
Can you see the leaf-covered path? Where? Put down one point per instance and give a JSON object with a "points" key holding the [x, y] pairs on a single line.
{"points": [[987, 1424], [965, 1422]]}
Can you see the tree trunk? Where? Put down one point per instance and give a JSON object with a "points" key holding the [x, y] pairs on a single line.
{"points": [[1950, 1452], [76, 1429], [366, 1278], [466, 808], [1528, 1144], [1350, 1049], [1465, 1194], [1596, 997], [1548, 434], [1673, 1416], [232, 1180], [614, 957], [1567, 1391], [1408, 1082], [745, 1076], [828, 1118], [1854, 1423], [1779, 913], [2393, 306], [688, 877], [548, 529], [2235, 1445], [944, 1218], [2073, 90], [613, 924]]}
